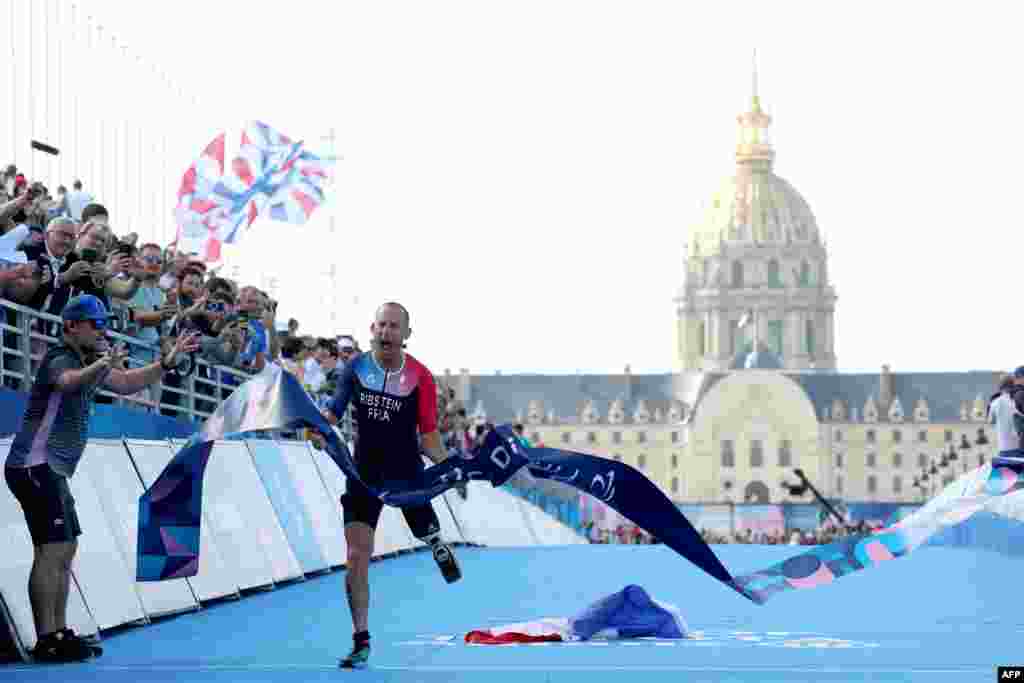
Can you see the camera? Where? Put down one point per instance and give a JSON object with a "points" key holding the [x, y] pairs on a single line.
{"points": [[125, 248], [90, 255]]}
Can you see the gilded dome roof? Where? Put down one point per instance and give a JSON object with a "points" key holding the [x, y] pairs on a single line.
{"points": [[755, 207]]}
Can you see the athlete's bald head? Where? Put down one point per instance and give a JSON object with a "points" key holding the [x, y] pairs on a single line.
{"points": [[396, 306]]}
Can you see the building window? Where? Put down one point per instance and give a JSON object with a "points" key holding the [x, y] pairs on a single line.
{"points": [[675, 460], [728, 454], [535, 438], [839, 435], [922, 460], [948, 437], [616, 437], [897, 484], [641, 437], [872, 484], [773, 274], [897, 436], [675, 484], [871, 436], [776, 333], [785, 454], [675, 437], [981, 460], [922, 436], [591, 437], [756, 454], [897, 460], [871, 462], [805, 274], [809, 338], [641, 461], [566, 437], [701, 341], [839, 485], [737, 274], [839, 460]]}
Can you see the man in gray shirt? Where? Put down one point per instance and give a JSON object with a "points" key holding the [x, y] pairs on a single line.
{"points": [[46, 452]]}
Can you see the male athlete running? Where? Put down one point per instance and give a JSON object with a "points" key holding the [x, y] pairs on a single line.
{"points": [[394, 398]]}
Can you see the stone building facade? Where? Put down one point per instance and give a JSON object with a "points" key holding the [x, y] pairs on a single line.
{"points": [[756, 393]]}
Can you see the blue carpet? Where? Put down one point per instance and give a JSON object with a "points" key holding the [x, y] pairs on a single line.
{"points": [[941, 614]]}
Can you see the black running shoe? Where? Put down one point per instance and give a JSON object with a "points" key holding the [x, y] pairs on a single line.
{"points": [[89, 643], [445, 559], [359, 658], [59, 648]]}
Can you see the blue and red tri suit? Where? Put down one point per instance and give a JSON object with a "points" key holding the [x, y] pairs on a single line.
{"points": [[392, 409]]}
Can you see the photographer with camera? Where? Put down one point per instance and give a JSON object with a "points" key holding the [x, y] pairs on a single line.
{"points": [[28, 206], [189, 305], [46, 452], [145, 314], [89, 270]]}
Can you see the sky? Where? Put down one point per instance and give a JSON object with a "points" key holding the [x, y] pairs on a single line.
{"points": [[522, 176]]}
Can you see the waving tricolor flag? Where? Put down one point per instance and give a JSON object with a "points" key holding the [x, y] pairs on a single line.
{"points": [[271, 175]]}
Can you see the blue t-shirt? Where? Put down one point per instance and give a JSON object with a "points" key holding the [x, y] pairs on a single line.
{"points": [[256, 342]]}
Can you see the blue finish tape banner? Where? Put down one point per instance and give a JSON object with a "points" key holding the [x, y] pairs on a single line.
{"points": [[170, 514], [824, 564]]}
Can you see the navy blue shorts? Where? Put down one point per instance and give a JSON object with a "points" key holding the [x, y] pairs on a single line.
{"points": [[359, 505], [46, 500]]}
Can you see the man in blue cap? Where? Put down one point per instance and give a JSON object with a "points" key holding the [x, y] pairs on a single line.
{"points": [[47, 449]]}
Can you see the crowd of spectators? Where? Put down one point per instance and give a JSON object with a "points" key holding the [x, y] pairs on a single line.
{"points": [[56, 246], [823, 535], [630, 534]]}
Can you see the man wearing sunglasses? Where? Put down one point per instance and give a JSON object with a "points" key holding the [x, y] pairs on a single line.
{"points": [[147, 312], [47, 450]]}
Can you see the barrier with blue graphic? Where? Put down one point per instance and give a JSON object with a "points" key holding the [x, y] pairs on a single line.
{"points": [[107, 422], [288, 505]]}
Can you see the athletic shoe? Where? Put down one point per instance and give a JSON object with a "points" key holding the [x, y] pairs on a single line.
{"points": [[89, 643], [445, 559], [59, 648], [358, 658]]}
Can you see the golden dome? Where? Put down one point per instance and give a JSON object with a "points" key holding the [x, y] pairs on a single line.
{"points": [[755, 207]]}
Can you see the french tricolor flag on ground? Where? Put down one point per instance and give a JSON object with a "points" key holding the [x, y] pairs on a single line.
{"points": [[628, 613]]}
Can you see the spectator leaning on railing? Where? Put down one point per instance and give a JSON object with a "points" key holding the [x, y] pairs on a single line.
{"points": [[145, 313]]}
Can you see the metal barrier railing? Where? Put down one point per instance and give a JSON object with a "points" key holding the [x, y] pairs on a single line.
{"points": [[28, 334]]}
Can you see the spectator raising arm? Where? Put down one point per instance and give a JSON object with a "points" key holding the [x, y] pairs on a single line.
{"points": [[127, 382]]}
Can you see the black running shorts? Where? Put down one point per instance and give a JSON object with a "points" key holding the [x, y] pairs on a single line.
{"points": [[359, 505], [46, 500]]}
